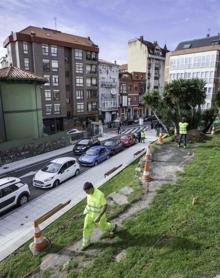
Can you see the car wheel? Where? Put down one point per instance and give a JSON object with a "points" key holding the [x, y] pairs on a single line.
{"points": [[23, 199], [56, 183], [108, 157], [77, 172], [96, 163]]}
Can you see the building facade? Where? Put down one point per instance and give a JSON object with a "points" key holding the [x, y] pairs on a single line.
{"points": [[148, 57], [132, 90], [196, 59], [108, 90], [20, 104], [69, 63]]}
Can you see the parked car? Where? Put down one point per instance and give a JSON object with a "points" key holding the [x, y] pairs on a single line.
{"points": [[73, 130], [56, 171], [83, 145], [13, 192], [113, 145], [128, 140], [94, 156]]}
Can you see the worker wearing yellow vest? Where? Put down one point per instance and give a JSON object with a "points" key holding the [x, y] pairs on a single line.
{"points": [[95, 214], [183, 132]]}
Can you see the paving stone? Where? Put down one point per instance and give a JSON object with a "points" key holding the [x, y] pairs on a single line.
{"points": [[121, 256], [126, 190], [118, 198]]}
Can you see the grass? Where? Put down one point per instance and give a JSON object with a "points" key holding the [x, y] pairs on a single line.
{"points": [[171, 239], [67, 228]]}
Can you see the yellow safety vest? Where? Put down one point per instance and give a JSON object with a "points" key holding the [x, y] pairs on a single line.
{"points": [[95, 203], [183, 128]]}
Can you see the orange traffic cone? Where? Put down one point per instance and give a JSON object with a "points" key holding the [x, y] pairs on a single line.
{"points": [[146, 173], [40, 242], [160, 139], [148, 154]]}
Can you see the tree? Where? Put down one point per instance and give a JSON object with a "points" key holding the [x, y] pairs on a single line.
{"points": [[179, 98]]}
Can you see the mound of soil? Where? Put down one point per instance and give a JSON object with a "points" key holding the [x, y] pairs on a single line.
{"points": [[195, 136]]}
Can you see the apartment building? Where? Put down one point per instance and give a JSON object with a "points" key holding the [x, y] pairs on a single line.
{"points": [[148, 57], [108, 90], [132, 90], [196, 59], [69, 63]]}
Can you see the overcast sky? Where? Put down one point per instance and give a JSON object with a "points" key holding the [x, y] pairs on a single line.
{"points": [[111, 23]]}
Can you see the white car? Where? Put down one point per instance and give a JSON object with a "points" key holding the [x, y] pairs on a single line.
{"points": [[13, 192], [55, 172]]}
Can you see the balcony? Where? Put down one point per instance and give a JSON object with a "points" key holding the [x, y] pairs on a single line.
{"points": [[105, 84], [109, 106]]}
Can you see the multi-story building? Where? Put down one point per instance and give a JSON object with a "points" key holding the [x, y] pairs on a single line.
{"points": [[69, 63], [148, 57], [123, 68], [108, 90], [132, 90], [196, 59]]}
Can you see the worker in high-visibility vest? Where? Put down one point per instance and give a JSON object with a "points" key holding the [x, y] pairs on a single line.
{"points": [[95, 214], [183, 132]]}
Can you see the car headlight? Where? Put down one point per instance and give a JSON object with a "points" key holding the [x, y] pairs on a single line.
{"points": [[48, 179]]}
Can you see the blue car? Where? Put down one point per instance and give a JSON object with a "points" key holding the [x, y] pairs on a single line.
{"points": [[94, 156]]}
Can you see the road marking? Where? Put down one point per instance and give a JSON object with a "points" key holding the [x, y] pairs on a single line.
{"points": [[28, 174]]}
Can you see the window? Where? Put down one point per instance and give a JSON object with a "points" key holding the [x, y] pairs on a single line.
{"points": [[46, 65], [79, 67], [54, 65], [92, 106], [123, 88], [47, 95], [48, 80], [88, 55], [8, 190], [94, 81], [88, 69], [56, 95], [53, 50], [79, 94], [57, 108], [187, 45], [94, 56], [67, 74], [80, 107], [88, 82], [45, 49], [26, 64], [78, 54], [55, 80], [91, 94], [79, 81], [25, 47], [48, 109]]}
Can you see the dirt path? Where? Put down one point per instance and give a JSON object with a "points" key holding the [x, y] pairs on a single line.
{"points": [[165, 164]]}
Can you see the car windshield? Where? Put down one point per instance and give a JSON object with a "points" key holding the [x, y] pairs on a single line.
{"points": [[52, 167], [83, 142], [91, 152], [109, 143], [124, 137]]}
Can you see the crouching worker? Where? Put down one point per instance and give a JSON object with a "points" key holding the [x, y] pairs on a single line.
{"points": [[95, 214]]}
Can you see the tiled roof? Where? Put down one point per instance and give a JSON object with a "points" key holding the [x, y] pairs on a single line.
{"points": [[46, 33], [15, 74], [208, 41], [123, 67], [152, 46]]}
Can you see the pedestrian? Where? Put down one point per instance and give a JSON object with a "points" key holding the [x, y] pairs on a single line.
{"points": [[119, 128], [183, 132], [139, 136], [95, 214], [142, 136]]}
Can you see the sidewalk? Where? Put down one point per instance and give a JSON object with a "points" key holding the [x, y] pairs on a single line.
{"points": [[16, 227]]}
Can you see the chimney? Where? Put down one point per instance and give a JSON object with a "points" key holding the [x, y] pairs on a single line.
{"points": [[115, 62], [89, 38], [141, 38]]}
